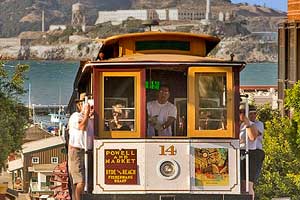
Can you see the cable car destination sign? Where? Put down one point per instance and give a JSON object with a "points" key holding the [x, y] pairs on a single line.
{"points": [[120, 166]]}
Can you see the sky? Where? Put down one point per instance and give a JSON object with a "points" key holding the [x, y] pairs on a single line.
{"points": [[276, 4]]}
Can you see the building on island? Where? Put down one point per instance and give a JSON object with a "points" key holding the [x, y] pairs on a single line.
{"points": [[116, 17]]}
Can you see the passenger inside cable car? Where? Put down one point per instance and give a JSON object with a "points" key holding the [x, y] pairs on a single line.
{"points": [[166, 102], [119, 104], [161, 114], [209, 90]]}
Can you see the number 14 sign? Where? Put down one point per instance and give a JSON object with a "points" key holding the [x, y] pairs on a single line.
{"points": [[167, 150]]}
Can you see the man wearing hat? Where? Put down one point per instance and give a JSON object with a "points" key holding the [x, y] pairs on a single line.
{"points": [[259, 153], [77, 126]]}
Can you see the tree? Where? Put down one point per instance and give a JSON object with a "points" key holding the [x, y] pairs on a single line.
{"points": [[13, 114], [280, 175], [292, 102]]}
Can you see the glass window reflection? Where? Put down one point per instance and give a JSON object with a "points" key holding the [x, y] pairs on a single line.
{"points": [[119, 104], [211, 101]]}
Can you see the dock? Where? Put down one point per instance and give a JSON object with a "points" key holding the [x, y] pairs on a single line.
{"points": [[258, 87], [41, 109]]}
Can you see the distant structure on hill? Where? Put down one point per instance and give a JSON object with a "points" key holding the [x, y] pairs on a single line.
{"points": [[78, 15], [118, 16], [288, 53]]}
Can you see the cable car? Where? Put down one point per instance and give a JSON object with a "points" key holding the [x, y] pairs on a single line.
{"points": [[201, 157]]}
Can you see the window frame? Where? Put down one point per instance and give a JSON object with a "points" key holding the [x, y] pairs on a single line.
{"points": [[52, 160], [138, 90], [191, 130], [35, 157]]}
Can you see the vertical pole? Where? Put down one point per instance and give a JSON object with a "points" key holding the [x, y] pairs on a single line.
{"points": [[86, 154], [29, 97], [247, 149], [63, 132], [43, 21], [33, 114], [207, 15], [29, 102]]}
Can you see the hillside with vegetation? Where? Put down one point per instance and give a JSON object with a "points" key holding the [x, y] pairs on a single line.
{"points": [[22, 19]]}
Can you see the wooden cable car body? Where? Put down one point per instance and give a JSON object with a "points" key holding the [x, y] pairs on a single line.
{"points": [[201, 158]]}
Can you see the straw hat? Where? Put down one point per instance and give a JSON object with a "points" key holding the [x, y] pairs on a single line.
{"points": [[252, 108], [242, 107], [81, 97]]}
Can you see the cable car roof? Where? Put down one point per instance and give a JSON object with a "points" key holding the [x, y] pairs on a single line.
{"points": [[164, 58], [210, 41]]}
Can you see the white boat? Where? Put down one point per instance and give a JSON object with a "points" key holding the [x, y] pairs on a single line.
{"points": [[59, 117]]}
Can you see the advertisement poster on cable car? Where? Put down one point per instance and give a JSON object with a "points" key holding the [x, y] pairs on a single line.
{"points": [[211, 167], [120, 166]]}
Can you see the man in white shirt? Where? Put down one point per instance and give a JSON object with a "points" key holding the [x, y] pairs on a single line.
{"points": [[248, 129], [77, 126], [161, 114]]}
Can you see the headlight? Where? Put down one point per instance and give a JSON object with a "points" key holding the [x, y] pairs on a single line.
{"points": [[168, 169]]}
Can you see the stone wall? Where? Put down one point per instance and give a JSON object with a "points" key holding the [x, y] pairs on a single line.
{"points": [[9, 42]]}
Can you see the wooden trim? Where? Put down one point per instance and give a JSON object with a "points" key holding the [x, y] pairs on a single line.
{"points": [[97, 103], [139, 93], [192, 132], [143, 104], [236, 90]]}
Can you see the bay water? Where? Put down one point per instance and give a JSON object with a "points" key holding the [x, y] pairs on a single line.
{"points": [[52, 81]]}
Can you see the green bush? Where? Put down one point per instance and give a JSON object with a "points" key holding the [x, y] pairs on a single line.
{"points": [[281, 175]]}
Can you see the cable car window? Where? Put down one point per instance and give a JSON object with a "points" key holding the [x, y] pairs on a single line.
{"points": [[211, 112], [119, 104], [162, 45]]}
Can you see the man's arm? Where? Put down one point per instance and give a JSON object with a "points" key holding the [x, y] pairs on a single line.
{"points": [[251, 129], [260, 127], [83, 122], [169, 122], [171, 118]]}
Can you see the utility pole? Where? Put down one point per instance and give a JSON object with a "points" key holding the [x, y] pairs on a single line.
{"points": [[43, 21], [207, 14], [29, 101]]}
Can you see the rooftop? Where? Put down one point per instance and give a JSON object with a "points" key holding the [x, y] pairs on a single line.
{"points": [[42, 144], [35, 133]]}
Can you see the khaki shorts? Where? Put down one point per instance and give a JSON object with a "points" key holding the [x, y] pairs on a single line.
{"points": [[76, 165]]}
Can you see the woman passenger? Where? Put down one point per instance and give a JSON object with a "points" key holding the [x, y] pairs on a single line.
{"points": [[247, 129]]}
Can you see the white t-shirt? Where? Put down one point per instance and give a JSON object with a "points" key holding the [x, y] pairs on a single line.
{"points": [[76, 136], [260, 127], [251, 144], [162, 111]]}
